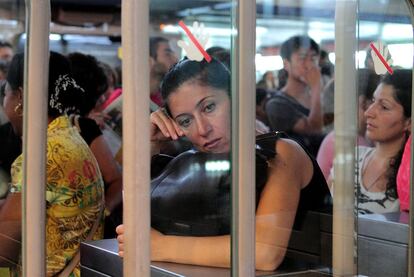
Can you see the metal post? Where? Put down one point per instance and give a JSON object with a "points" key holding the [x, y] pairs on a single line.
{"points": [[243, 139], [34, 136], [344, 245], [136, 143]]}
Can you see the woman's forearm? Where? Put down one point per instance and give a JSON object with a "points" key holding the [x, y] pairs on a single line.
{"points": [[204, 251], [111, 172]]}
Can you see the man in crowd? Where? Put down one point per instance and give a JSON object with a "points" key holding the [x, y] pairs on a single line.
{"points": [[296, 108], [162, 58]]}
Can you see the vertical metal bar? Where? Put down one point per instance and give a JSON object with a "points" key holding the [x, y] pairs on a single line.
{"points": [[34, 136], [243, 139], [345, 134], [410, 269], [136, 144]]}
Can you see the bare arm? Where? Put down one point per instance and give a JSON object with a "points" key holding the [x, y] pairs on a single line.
{"points": [[11, 226], [274, 220], [111, 172]]}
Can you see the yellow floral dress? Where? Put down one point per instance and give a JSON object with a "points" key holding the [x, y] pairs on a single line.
{"points": [[74, 192]]}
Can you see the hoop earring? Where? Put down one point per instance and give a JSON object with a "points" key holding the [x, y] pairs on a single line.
{"points": [[19, 109]]}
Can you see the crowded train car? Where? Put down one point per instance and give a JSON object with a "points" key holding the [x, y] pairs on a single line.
{"points": [[206, 138]]}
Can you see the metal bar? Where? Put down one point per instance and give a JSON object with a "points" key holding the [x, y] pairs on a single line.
{"points": [[136, 144], [243, 139], [34, 136], [345, 133]]}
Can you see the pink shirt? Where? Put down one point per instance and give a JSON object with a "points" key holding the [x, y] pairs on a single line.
{"points": [[326, 152], [403, 178]]}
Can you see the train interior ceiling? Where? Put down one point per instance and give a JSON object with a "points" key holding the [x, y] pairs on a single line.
{"points": [[94, 25]]}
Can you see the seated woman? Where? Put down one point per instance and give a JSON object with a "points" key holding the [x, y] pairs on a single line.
{"points": [[388, 121], [198, 107], [74, 186], [367, 83]]}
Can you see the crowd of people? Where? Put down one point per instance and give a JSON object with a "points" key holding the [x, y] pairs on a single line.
{"points": [[303, 108], [190, 114]]}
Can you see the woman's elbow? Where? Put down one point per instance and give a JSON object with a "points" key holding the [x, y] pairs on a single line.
{"points": [[269, 257]]}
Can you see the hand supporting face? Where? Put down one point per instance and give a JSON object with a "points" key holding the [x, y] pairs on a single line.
{"points": [[163, 127]]}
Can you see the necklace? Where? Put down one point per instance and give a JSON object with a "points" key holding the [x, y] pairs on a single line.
{"points": [[365, 167]]}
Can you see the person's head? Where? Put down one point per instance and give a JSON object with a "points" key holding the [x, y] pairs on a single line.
{"points": [[89, 74], [298, 53], [161, 53], [4, 68], [6, 51], [389, 115], [325, 64], [196, 96], [268, 76], [64, 94], [261, 98], [282, 76], [367, 83], [111, 75]]}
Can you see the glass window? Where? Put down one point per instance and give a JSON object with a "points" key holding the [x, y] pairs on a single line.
{"points": [[384, 125]]}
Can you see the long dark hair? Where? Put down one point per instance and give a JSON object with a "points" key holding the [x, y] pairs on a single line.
{"points": [[90, 75], [401, 81], [70, 96], [212, 74]]}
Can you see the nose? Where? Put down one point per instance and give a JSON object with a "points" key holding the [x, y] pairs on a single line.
{"points": [[369, 111], [203, 126]]}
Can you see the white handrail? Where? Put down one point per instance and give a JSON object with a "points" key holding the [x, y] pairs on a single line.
{"points": [[243, 139], [136, 144], [345, 134], [34, 136]]}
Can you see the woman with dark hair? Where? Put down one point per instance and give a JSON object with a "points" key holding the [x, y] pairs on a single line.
{"points": [[388, 123], [198, 107], [74, 186]]}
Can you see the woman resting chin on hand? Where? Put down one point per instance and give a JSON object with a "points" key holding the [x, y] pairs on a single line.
{"points": [[198, 106]]}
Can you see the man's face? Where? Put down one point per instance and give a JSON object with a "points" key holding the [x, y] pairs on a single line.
{"points": [[165, 55], [299, 63], [6, 54]]}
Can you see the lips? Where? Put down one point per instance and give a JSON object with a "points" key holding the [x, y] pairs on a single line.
{"points": [[370, 126], [212, 144]]}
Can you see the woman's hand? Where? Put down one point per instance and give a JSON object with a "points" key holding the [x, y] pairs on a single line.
{"points": [[120, 238], [156, 242], [163, 127]]}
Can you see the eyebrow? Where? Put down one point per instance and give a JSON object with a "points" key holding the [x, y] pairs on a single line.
{"points": [[197, 105]]}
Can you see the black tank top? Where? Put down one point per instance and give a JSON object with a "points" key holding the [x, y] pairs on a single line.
{"points": [[314, 197]]}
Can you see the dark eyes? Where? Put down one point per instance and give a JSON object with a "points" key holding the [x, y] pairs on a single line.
{"points": [[184, 122], [210, 107]]}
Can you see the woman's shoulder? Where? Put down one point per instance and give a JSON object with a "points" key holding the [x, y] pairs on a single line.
{"points": [[290, 149], [279, 144], [294, 157]]}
